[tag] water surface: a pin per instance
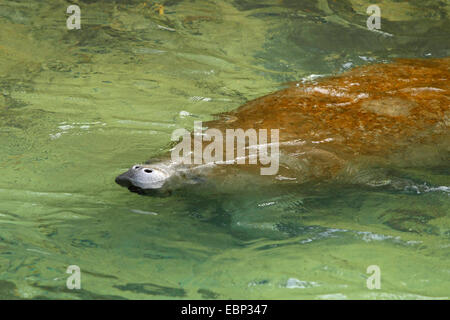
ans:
(78, 107)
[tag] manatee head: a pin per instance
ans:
(143, 177)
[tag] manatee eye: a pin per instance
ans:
(148, 170)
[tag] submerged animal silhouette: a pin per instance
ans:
(371, 115)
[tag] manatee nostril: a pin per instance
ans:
(136, 167)
(148, 170)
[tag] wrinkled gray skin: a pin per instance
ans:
(157, 178)
(161, 178)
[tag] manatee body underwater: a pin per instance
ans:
(334, 128)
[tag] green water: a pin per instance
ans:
(78, 107)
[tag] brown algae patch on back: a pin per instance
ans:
(393, 107)
(370, 114)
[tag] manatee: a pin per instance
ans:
(384, 114)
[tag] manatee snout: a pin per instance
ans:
(144, 177)
(124, 179)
